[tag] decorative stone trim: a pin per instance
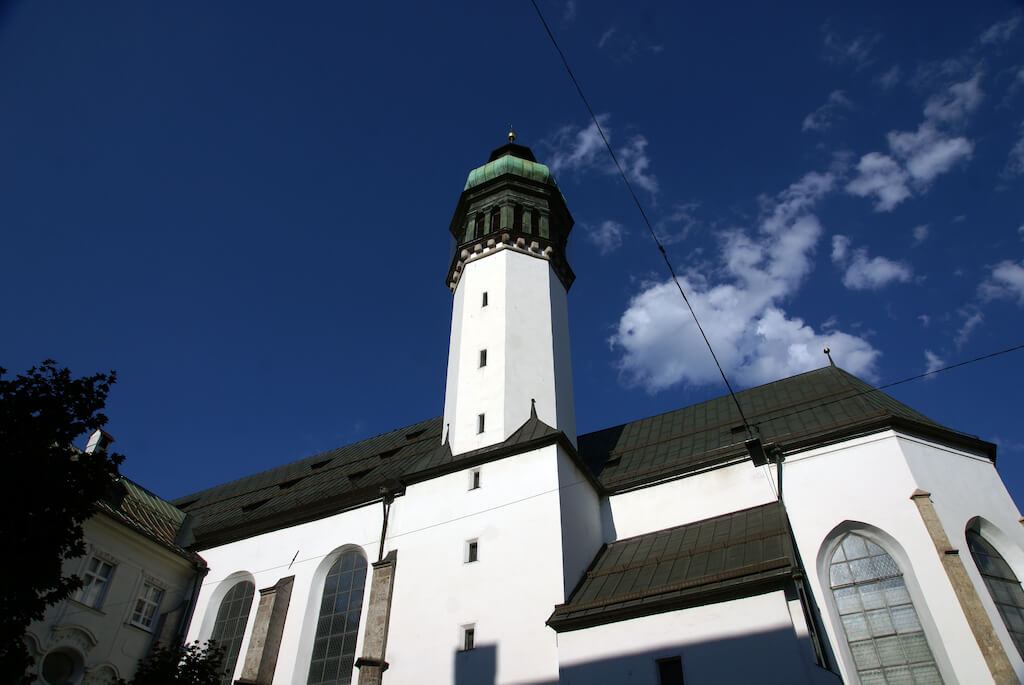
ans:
(78, 637)
(977, 618)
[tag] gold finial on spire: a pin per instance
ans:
(511, 134)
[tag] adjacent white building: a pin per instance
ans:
(139, 584)
(492, 544)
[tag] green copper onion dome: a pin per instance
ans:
(511, 159)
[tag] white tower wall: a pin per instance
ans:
(525, 330)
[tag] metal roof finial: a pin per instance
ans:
(829, 355)
(511, 134)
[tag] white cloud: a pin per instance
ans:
(883, 178)
(1015, 163)
(866, 273)
(583, 150)
(919, 156)
(890, 78)
(739, 307)
(636, 164)
(856, 51)
(840, 248)
(826, 115)
(957, 102)
(570, 11)
(607, 236)
(924, 319)
(920, 233)
(1000, 32)
(1006, 281)
(972, 319)
(927, 152)
(579, 150)
(606, 36)
(932, 362)
(676, 226)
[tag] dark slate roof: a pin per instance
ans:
(798, 412)
(739, 554)
(156, 519)
(813, 408)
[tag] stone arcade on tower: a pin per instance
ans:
(493, 545)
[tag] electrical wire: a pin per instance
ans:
(639, 206)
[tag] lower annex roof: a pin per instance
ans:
(799, 412)
(734, 555)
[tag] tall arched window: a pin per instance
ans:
(334, 648)
(229, 625)
(884, 633)
(1002, 584)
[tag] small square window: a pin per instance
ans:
(468, 637)
(472, 551)
(483, 302)
(483, 358)
(474, 479)
(95, 581)
(670, 671)
(480, 423)
(146, 605)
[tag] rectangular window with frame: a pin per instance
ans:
(480, 423)
(146, 605)
(670, 671)
(95, 582)
(472, 551)
(483, 358)
(474, 479)
(468, 637)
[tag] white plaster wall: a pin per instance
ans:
(119, 643)
(525, 330)
(685, 500)
(580, 508)
(300, 551)
(868, 481)
(965, 486)
(749, 640)
(509, 593)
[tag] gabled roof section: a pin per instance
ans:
(740, 554)
(310, 488)
(151, 517)
(802, 411)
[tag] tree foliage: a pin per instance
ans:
(52, 488)
(193, 664)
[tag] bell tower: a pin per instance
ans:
(509, 350)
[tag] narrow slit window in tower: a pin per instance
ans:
(483, 358)
(479, 423)
(483, 302)
(472, 551)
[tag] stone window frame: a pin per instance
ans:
(317, 597)
(89, 577)
(830, 612)
(144, 600)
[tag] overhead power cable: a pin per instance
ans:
(639, 206)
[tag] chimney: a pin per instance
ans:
(98, 442)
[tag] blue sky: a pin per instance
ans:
(242, 208)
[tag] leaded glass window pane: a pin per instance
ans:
(1002, 584)
(229, 626)
(885, 636)
(334, 647)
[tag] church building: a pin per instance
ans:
(826, 534)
